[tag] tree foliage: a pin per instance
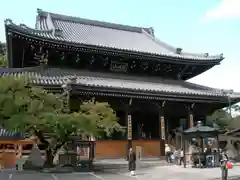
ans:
(33, 110)
(219, 118)
(2, 48)
(3, 55)
(3, 60)
(224, 119)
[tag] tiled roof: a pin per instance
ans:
(92, 32)
(5, 134)
(106, 35)
(57, 76)
(200, 129)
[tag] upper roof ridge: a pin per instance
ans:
(175, 49)
(62, 17)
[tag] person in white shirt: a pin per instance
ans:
(167, 153)
(181, 157)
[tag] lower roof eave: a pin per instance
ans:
(126, 93)
(145, 95)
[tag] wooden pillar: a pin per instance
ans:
(190, 116)
(162, 131)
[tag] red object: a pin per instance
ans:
(229, 165)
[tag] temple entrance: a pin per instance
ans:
(145, 125)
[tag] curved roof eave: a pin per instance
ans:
(52, 38)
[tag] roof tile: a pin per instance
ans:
(56, 76)
(5, 134)
(108, 35)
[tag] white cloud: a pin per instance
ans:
(225, 9)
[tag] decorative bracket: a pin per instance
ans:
(189, 107)
(130, 102)
(181, 73)
(160, 105)
(163, 104)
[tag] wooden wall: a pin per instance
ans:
(117, 148)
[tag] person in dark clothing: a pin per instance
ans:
(132, 162)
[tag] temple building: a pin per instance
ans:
(141, 77)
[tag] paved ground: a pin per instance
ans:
(179, 173)
(161, 172)
(70, 176)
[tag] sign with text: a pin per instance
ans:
(129, 127)
(162, 125)
(118, 66)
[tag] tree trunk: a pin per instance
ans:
(49, 158)
(48, 151)
(51, 153)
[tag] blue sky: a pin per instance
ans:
(200, 26)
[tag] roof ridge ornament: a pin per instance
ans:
(57, 32)
(39, 10)
(206, 55)
(221, 55)
(8, 21)
(151, 31)
(178, 50)
(23, 25)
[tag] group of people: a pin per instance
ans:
(176, 156)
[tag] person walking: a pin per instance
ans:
(176, 156)
(132, 162)
(224, 160)
(181, 157)
(168, 153)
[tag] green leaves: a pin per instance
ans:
(36, 111)
(101, 115)
(3, 55)
(3, 60)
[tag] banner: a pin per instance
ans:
(129, 127)
(162, 125)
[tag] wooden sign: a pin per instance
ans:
(118, 66)
(162, 125)
(129, 127)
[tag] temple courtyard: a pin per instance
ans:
(156, 173)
